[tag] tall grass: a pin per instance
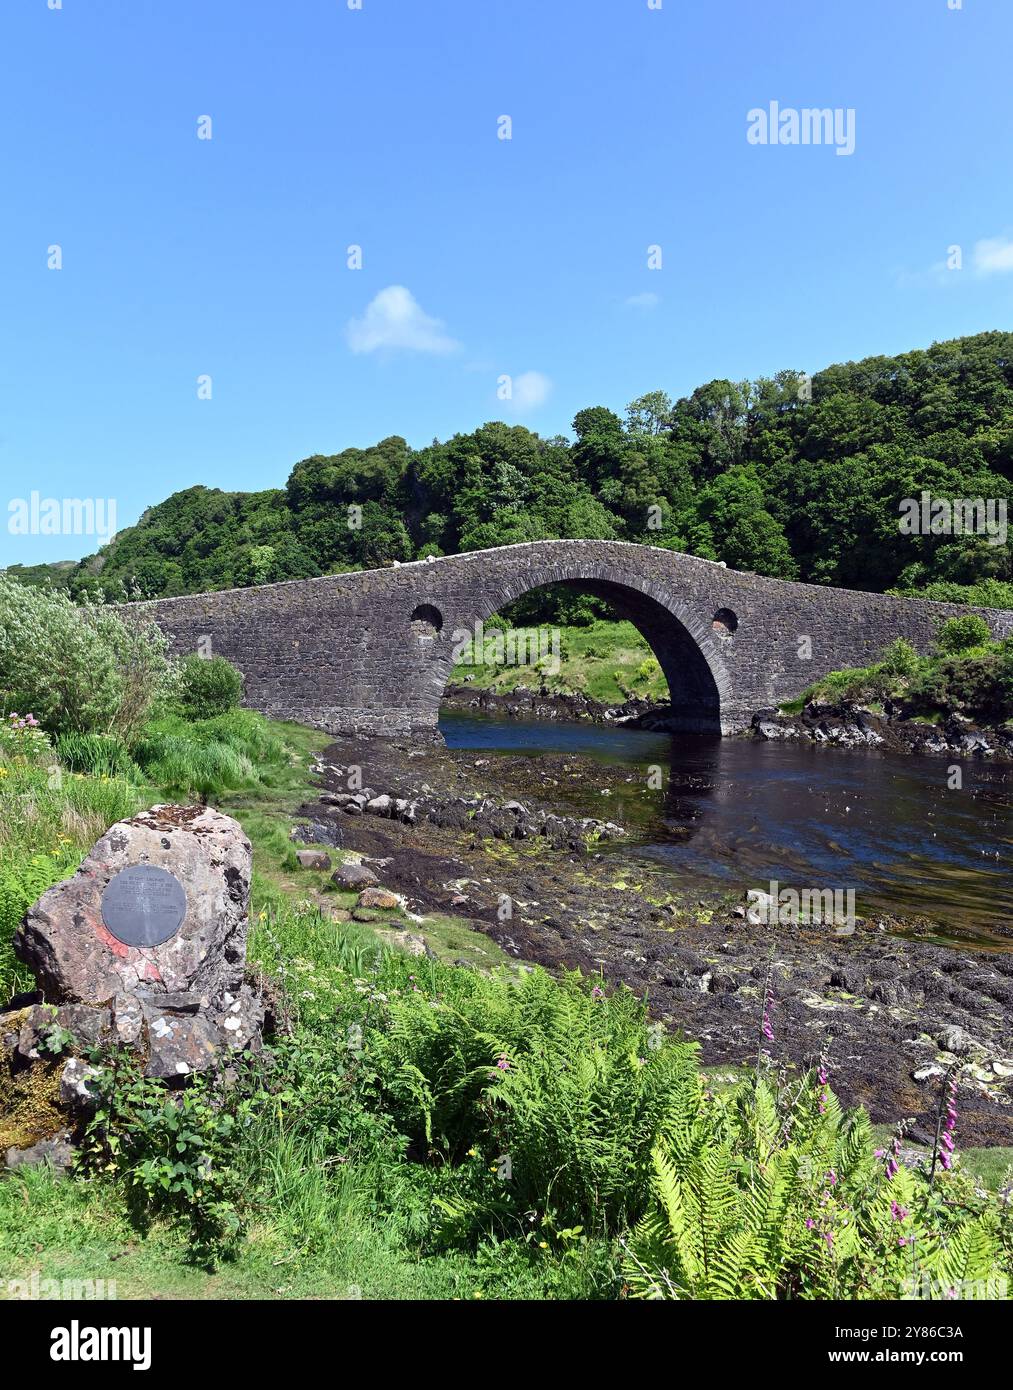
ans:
(234, 751)
(100, 755)
(48, 818)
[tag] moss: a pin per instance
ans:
(30, 1107)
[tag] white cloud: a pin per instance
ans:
(529, 391)
(994, 256)
(647, 300)
(394, 319)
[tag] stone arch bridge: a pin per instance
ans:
(372, 652)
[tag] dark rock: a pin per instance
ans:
(954, 1039)
(57, 1151)
(89, 1028)
(848, 978)
(353, 876)
(180, 1043)
(313, 859)
(77, 1084)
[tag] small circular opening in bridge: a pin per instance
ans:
(725, 622)
(427, 621)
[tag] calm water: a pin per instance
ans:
(736, 813)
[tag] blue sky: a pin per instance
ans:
(482, 257)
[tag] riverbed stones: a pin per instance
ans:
(928, 1071)
(313, 859)
(954, 1039)
(353, 876)
(381, 898)
(895, 731)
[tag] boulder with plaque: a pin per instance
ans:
(144, 946)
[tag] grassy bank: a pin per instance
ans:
(963, 673)
(428, 1131)
(419, 1129)
(608, 661)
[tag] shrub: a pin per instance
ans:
(761, 1195)
(571, 1084)
(208, 686)
(852, 686)
(986, 593)
(962, 634)
(175, 1152)
(900, 659)
(969, 682)
(82, 669)
(966, 672)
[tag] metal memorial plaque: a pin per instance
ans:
(144, 905)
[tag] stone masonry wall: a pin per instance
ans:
(343, 652)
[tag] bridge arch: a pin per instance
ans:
(688, 654)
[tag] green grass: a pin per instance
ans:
(366, 1164)
(609, 661)
(991, 1166)
(323, 1243)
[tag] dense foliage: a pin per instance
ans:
(208, 686)
(762, 1194)
(786, 476)
(544, 1125)
(462, 1131)
(80, 669)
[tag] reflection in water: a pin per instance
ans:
(740, 813)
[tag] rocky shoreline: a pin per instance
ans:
(525, 703)
(829, 725)
(890, 1008)
(862, 728)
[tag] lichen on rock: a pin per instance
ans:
(30, 1108)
